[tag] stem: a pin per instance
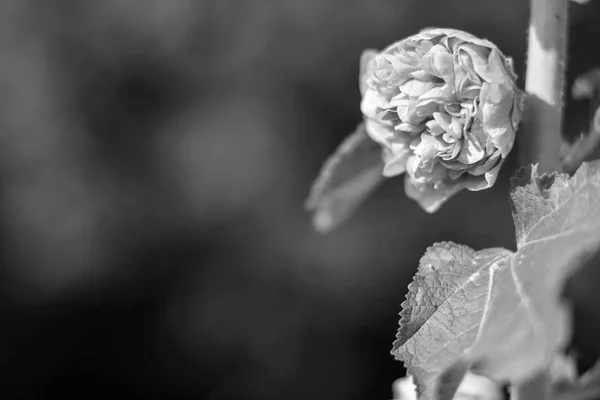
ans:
(541, 142)
(541, 139)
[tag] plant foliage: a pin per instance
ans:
(497, 310)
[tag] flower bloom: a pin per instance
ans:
(445, 107)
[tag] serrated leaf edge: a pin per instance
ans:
(404, 312)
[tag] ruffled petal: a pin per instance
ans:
(429, 196)
(379, 133)
(397, 164)
(366, 68)
(476, 183)
(430, 147)
(445, 106)
(372, 104)
(473, 149)
(416, 88)
(496, 106)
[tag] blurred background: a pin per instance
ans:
(154, 160)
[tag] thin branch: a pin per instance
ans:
(541, 139)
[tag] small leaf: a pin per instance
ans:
(346, 179)
(499, 310)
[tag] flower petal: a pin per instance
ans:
(439, 62)
(487, 166)
(430, 146)
(379, 133)
(423, 76)
(416, 88)
(476, 183)
(409, 128)
(397, 165)
(434, 128)
(372, 103)
(496, 106)
(473, 149)
(429, 196)
(366, 68)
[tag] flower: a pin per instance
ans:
(444, 105)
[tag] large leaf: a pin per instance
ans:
(499, 310)
(346, 179)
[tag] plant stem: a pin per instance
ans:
(541, 140)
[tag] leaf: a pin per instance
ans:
(443, 310)
(346, 179)
(499, 310)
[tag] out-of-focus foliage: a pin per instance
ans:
(472, 386)
(346, 179)
(154, 160)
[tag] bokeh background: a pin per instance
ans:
(154, 160)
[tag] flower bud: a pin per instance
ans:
(445, 107)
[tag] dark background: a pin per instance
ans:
(154, 160)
